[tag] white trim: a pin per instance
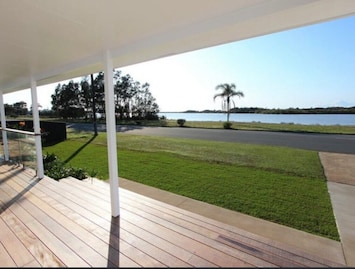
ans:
(111, 134)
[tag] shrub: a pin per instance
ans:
(78, 173)
(181, 122)
(56, 169)
(227, 125)
(163, 123)
(49, 160)
(93, 173)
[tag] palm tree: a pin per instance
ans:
(228, 91)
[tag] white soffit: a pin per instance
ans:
(54, 40)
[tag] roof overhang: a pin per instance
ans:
(51, 41)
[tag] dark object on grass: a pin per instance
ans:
(181, 122)
(227, 125)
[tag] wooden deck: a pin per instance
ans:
(68, 223)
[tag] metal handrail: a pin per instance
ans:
(19, 131)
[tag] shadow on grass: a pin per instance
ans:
(80, 149)
(101, 127)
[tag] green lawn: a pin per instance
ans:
(279, 184)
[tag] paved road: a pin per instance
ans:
(318, 142)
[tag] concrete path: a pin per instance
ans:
(340, 172)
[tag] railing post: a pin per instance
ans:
(111, 134)
(3, 125)
(37, 129)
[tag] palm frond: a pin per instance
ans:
(228, 91)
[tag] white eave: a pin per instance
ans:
(51, 40)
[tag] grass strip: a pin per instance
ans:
(260, 126)
(257, 126)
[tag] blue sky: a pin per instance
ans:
(312, 66)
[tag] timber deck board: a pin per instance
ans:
(68, 223)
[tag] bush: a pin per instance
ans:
(227, 125)
(78, 173)
(56, 169)
(163, 123)
(181, 122)
(93, 173)
(49, 159)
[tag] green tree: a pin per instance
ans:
(98, 85)
(10, 110)
(125, 88)
(144, 105)
(67, 101)
(84, 99)
(88, 91)
(16, 109)
(227, 94)
(133, 100)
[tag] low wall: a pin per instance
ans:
(51, 131)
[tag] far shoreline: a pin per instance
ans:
(258, 110)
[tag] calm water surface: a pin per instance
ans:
(309, 119)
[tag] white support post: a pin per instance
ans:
(111, 135)
(37, 129)
(3, 125)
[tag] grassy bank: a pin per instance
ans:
(283, 185)
(259, 126)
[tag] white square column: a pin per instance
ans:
(111, 134)
(3, 125)
(37, 129)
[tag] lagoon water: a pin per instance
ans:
(309, 119)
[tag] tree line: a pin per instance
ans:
(18, 108)
(86, 99)
(259, 110)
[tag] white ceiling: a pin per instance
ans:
(54, 40)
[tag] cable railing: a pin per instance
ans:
(21, 147)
